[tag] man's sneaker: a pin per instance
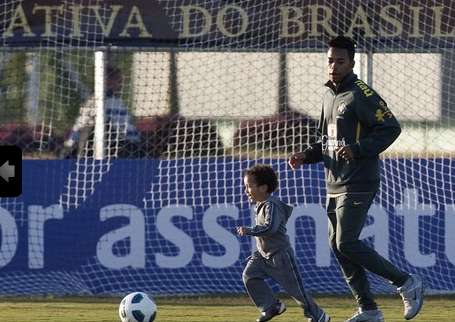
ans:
(367, 316)
(412, 294)
(323, 317)
(276, 309)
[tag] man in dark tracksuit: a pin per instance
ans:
(355, 127)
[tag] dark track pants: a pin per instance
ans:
(282, 268)
(347, 214)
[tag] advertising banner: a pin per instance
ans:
(137, 230)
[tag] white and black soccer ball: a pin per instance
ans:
(137, 307)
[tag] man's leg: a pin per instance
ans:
(354, 274)
(351, 213)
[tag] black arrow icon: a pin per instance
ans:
(7, 171)
(10, 171)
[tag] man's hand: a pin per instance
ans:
(296, 160)
(345, 153)
(241, 231)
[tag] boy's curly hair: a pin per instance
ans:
(263, 174)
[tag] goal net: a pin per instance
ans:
(137, 121)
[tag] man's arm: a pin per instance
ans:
(382, 124)
(313, 153)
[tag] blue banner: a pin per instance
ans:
(167, 227)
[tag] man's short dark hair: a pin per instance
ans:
(344, 43)
(263, 174)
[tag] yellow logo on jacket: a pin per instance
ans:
(364, 87)
(383, 112)
(379, 115)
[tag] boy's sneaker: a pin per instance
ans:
(323, 317)
(367, 316)
(276, 309)
(412, 294)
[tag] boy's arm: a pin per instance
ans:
(271, 223)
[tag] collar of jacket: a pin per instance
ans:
(272, 199)
(345, 83)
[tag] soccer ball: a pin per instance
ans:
(137, 307)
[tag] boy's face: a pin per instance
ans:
(254, 192)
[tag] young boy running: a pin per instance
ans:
(275, 257)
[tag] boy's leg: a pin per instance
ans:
(253, 279)
(283, 269)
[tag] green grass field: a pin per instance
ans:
(206, 309)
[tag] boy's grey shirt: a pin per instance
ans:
(270, 230)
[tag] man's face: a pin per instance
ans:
(338, 63)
